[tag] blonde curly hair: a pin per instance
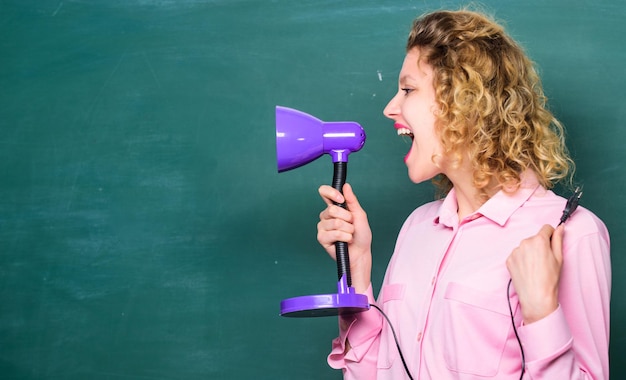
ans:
(492, 104)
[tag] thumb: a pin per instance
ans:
(352, 203)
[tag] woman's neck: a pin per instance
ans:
(469, 198)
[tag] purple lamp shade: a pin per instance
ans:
(301, 138)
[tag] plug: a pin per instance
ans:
(571, 205)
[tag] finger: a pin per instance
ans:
(327, 235)
(546, 231)
(335, 224)
(336, 212)
(329, 238)
(330, 195)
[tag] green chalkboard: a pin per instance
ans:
(144, 230)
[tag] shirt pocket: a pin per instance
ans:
(474, 329)
(388, 351)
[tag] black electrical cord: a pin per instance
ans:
(519, 341)
(570, 207)
(395, 337)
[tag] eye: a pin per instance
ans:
(406, 90)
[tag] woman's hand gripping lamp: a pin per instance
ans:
(300, 139)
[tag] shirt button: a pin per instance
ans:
(419, 336)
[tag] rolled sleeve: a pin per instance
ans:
(361, 330)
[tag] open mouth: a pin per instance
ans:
(407, 135)
(405, 132)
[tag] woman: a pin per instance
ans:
(480, 284)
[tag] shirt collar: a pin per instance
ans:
(498, 208)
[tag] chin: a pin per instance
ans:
(421, 176)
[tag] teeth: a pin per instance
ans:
(404, 132)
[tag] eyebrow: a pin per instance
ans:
(405, 78)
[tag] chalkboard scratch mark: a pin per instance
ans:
(58, 9)
(609, 169)
(104, 85)
(151, 69)
(380, 75)
(89, 115)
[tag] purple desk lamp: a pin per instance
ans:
(300, 139)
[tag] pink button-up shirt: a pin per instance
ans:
(445, 292)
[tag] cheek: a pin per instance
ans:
(419, 110)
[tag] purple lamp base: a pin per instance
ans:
(345, 301)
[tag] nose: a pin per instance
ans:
(392, 110)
